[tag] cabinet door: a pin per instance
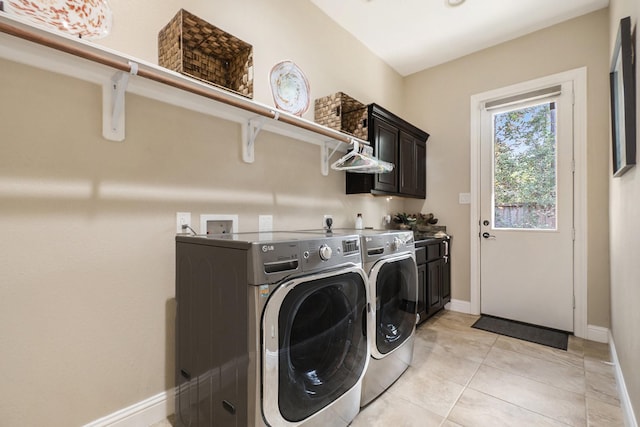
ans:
(422, 293)
(434, 286)
(385, 142)
(412, 168)
(446, 282)
(421, 168)
(407, 164)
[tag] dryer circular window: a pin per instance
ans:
(315, 345)
(395, 318)
(389, 260)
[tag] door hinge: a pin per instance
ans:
(573, 234)
(573, 165)
(574, 302)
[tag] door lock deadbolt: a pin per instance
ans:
(485, 222)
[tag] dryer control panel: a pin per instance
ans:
(377, 246)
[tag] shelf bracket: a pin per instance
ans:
(250, 131)
(113, 93)
(325, 157)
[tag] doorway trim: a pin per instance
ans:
(579, 78)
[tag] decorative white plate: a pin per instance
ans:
(290, 88)
(90, 19)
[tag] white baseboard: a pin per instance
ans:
(149, 411)
(459, 305)
(158, 407)
(625, 401)
(597, 333)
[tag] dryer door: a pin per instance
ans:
(315, 344)
(394, 289)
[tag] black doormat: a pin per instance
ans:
(523, 331)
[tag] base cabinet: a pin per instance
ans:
(422, 291)
(434, 286)
(434, 276)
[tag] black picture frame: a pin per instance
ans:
(623, 103)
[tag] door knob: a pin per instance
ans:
(488, 236)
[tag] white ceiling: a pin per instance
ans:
(411, 35)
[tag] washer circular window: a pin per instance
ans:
(322, 348)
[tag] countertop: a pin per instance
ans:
(423, 239)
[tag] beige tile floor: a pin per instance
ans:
(462, 376)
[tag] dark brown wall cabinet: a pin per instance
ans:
(434, 276)
(396, 141)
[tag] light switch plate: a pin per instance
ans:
(464, 198)
(265, 223)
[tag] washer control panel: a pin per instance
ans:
(275, 260)
(325, 252)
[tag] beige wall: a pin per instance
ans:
(87, 247)
(438, 100)
(331, 59)
(625, 239)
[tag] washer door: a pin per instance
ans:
(394, 288)
(315, 344)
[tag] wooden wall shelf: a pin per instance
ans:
(118, 73)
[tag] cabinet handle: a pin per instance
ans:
(446, 247)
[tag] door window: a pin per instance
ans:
(524, 168)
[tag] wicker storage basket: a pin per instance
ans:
(341, 112)
(192, 46)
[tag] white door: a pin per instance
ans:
(526, 208)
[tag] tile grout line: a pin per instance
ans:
(446, 418)
(531, 379)
(582, 394)
(511, 403)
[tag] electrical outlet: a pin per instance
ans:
(182, 218)
(324, 221)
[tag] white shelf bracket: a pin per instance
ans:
(325, 157)
(250, 131)
(113, 93)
